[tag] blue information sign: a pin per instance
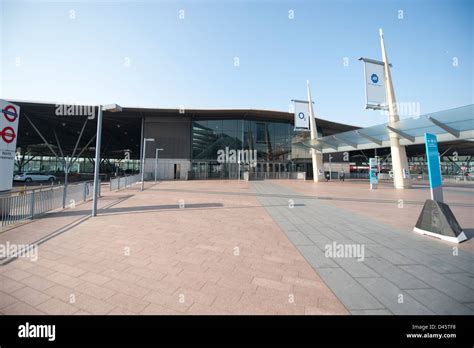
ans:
(373, 173)
(434, 168)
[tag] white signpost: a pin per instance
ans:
(9, 115)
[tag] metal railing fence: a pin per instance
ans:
(277, 175)
(124, 181)
(24, 205)
(417, 177)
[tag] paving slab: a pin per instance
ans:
(439, 302)
(372, 312)
(466, 279)
(316, 257)
(398, 277)
(438, 281)
(395, 261)
(393, 298)
(348, 290)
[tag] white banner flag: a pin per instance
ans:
(375, 85)
(9, 114)
(301, 116)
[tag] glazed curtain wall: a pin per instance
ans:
(272, 140)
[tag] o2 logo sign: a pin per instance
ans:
(374, 78)
(302, 116)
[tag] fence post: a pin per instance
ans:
(32, 206)
(85, 191)
(64, 196)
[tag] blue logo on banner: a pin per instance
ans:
(374, 78)
(301, 115)
(432, 156)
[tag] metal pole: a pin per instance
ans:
(399, 155)
(156, 164)
(97, 161)
(143, 164)
(32, 204)
(316, 158)
(330, 168)
(377, 158)
(142, 136)
(66, 174)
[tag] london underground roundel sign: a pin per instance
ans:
(8, 134)
(9, 117)
(10, 113)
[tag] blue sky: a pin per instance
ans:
(48, 56)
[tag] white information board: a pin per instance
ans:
(9, 115)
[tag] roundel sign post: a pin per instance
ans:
(9, 115)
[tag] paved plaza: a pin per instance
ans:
(401, 273)
(236, 247)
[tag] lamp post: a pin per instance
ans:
(156, 162)
(330, 168)
(143, 161)
(111, 108)
(239, 168)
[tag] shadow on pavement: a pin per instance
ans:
(158, 208)
(305, 197)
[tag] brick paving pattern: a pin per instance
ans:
(219, 254)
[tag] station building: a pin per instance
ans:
(190, 139)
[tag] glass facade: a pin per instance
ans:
(271, 141)
(211, 136)
(54, 165)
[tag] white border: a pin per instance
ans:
(461, 238)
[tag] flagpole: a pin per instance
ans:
(398, 152)
(316, 157)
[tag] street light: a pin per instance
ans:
(143, 160)
(330, 168)
(156, 162)
(111, 108)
